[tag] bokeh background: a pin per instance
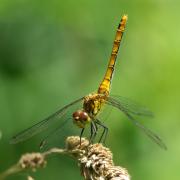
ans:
(52, 52)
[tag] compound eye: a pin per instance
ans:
(80, 116)
(76, 115)
(84, 116)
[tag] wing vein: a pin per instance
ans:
(42, 125)
(147, 131)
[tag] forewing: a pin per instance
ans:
(44, 124)
(56, 137)
(147, 131)
(129, 106)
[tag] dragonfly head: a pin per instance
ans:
(81, 118)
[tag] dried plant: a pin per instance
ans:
(95, 161)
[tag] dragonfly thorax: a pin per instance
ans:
(93, 103)
(81, 118)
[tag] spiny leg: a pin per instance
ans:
(95, 133)
(105, 131)
(94, 130)
(82, 131)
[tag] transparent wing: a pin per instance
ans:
(148, 132)
(42, 125)
(130, 106)
(57, 135)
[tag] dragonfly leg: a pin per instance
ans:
(104, 133)
(94, 130)
(81, 134)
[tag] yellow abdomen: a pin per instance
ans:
(104, 87)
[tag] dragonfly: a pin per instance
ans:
(92, 105)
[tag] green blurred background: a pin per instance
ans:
(52, 52)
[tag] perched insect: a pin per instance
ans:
(92, 105)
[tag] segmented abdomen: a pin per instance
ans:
(104, 87)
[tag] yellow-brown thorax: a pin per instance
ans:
(93, 103)
(91, 107)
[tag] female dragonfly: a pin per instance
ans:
(92, 105)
